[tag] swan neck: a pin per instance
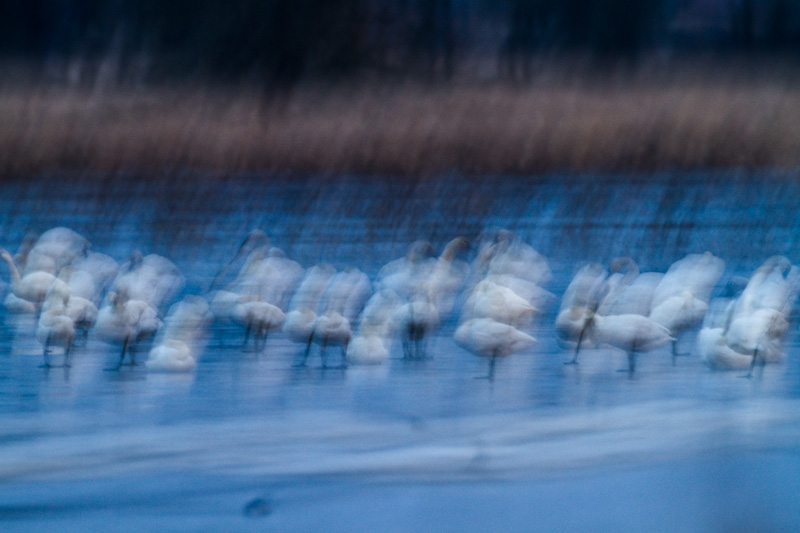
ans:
(15, 278)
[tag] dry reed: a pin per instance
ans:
(630, 123)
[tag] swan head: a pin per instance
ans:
(419, 251)
(623, 263)
(455, 246)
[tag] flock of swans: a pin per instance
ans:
(75, 292)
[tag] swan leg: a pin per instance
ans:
(67, 354)
(246, 337)
(122, 355)
(631, 362)
(752, 365)
(492, 361)
(323, 354)
(308, 350)
(574, 360)
(344, 355)
(46, 354)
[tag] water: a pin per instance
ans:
(420, 445)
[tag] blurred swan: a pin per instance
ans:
(259, 319)
(54, 249)
(415, 321)
(330, 329)
(680, 301)
(405, 276)
(125, 321)
(171, 356)
(152, 279)
(32, 287)
(490, 300)
(759, 335)
(507, 254)
(367, 350)
(55, 327)
(185, 324)
(632, 333)
(489, 338)
(447, 277)
(624, 271)
(580, 300)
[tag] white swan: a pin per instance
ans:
(330, 329)
(632, 333)
(259, 318)
(55, 328)
(488, 338)
(367, 350)
(680, 301)
(126, 322)
(415, 321)
(32, 287)
(490, 300)
(184, 326)
(54, 249)
(171, 356)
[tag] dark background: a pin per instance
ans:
(282, 42)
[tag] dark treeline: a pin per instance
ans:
(283, 41)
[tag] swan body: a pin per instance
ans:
(126, 322)
(715, 352)
(330, 329)
(490, 300)
(55, 329)
(171, 356)
(299, 325)
(367, 350)
(489, 338)
(32, 287)
(259, 318)
(631, 333)
(415, 321)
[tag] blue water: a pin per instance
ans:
(407, 445)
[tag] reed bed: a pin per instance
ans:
(627, 123)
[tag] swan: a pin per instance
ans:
(448, 276)
(632, 333)
(299, 324)
(505, 253)
(680, 300)
(126, 322)
(367, 350)
(171, 356)
(580, 299)
(55, 327)
(490, 300)
(415, 321)
(183, 326)
(774, 285)
(54, 249)
(679, 313)
(406, 275)
(624, 271)
(348, 292)
(330, 329)
(758, 334)
(32, 287)
(489, 338)
(714, 351)
(258, 318)
(152, 279)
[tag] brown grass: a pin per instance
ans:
(646, 121)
